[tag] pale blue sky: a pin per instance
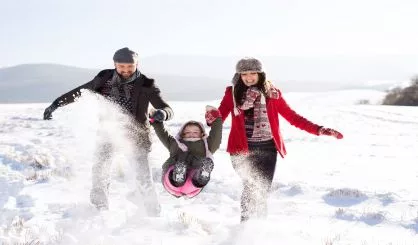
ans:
(86, 33)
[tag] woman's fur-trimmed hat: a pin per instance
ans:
(247, 64)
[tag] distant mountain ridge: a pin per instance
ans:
(39, 82)
(191, 78)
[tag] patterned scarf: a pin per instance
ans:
(255, 99)
(117, 82)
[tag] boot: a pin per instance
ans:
(178, 176)
(202, 175)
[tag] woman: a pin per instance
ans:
(255, 138)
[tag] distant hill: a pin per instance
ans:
(190, 78)
(39, 82)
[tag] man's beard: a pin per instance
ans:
(126, 75)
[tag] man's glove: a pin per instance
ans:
(330, 132)
(48, 111)
(211, 114)
(158, 115)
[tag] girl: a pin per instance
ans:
(190, 164)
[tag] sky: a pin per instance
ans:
(86, 33)
(358, 190)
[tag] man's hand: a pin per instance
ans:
(158, 115)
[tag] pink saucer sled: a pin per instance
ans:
(188, 189)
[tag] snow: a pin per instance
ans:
(359, 190)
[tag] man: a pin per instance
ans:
(133, 91)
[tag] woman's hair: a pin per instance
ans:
(240, 88)
(192, 123)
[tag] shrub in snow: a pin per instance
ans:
(346, 193)
(363, 102)
(403, 96)
(344, 197)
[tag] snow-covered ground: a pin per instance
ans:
(359, 190)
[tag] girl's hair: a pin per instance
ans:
(193, 123)
(240, 88)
